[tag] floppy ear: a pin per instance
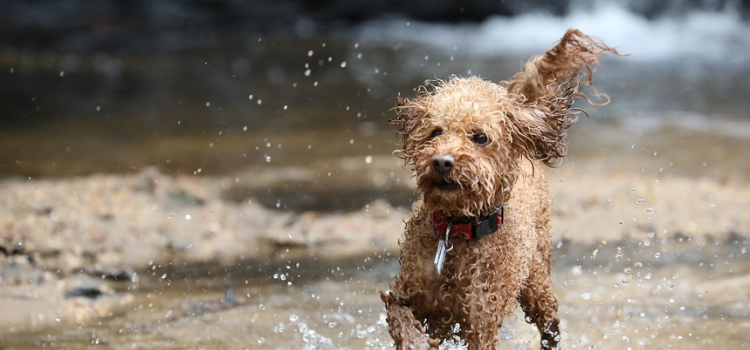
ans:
(569, 60)
(410, 115)
(545, 91)
(538, 132)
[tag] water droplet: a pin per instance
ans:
(368, 159)
(62, 73)
(268, 159)
(586, 296)
(343, 64)
(307, 73)
(188, 217)
(309, 53)
(208, 104)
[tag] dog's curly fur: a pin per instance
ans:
(525, 122)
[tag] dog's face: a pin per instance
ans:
(465, 139)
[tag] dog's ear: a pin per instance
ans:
(538, 133)
(410, 115)
(545, 91)
(407, 118)
(570, 60)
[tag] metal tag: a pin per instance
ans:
(440, 256)
(444, 246)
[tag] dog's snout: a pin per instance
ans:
(443, 163)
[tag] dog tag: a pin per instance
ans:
(440, 256)
(444, 246)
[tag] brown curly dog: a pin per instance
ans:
(478, 242)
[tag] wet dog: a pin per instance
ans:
(477, 244)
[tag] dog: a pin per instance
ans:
(477, 244)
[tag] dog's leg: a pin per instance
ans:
(404, 328)
(540, 305)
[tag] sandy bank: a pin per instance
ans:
(57, 234)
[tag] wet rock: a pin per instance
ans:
(85, 292)
(16, 254)
(198, 308)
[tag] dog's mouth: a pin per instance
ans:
(444, 185)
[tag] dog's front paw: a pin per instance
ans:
(411, 337)
(417, 341)
(406, 331)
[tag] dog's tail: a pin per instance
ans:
(568, 62)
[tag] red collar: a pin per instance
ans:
(469, 227)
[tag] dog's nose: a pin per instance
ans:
(443, 163)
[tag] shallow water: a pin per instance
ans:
(622, 295)
(290, 142)
(275, 101)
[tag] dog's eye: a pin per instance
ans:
(480, 138)
(436, 132)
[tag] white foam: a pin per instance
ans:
(715, 36)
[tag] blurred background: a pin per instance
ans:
(255, 201)
(291, 98)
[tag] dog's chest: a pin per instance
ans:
(462, 262)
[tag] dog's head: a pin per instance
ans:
(465, 138)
